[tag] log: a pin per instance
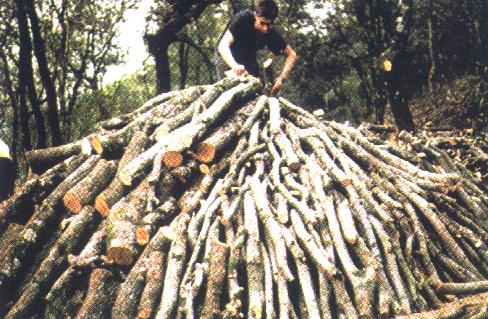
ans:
(223, 135)
(63, 289)
(115, 142)
(128, 296)
(100, 295)
(35, 229)
(122, 225)
(93, 249)
(42, 159)
(9, 237)
(182, 138)
(116, 190)
(254, 262)
(462, 288)
(218, 259)
(174, 273)
(154, 285)
(46, 274)
(86, 190)
(20, 205)
(451, 309)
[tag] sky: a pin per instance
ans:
(132, 45)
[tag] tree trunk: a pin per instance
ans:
(26, 82)
(13, 103)
(47, 81)
(159, 50)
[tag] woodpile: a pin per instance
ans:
(219, 202)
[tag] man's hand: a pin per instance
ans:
(239, 69)
(277, 85)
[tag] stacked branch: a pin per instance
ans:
(215, 203)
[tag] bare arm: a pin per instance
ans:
(287, 68)
(290, 61)
(224, 50)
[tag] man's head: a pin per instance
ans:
(265, 12)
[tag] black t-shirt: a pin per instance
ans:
(248, 40)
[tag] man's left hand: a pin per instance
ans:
(277, 85)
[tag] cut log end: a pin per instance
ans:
(101, 205)
(144, 314)
(205, 153)
(172, 159)
(142, 236)
(96, 143)
(72, 202)
(120, 255)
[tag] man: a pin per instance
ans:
(250, 31)
(7, 172)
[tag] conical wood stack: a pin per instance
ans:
(217, 202)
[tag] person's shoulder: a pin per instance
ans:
(244, 15)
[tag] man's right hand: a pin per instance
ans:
(239, 69)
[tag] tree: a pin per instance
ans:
(170, 18)
(51, 52)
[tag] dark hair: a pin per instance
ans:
(266, 9)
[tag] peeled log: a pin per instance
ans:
(86, 191)
(100, 295)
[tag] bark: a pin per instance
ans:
(122, 223)
(20, 205)
(175, 268)
(154, 285)
(216, 278)
(26, 81)
(130, 290)
(182, 138)
(100, 295)
(42, 159)
(84, 192)
(46, 79)
(358, 229)
(116, 190)
(52, 265)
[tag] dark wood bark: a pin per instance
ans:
(47, 81)
(53, 264)
(26, 81)
(20, 206)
